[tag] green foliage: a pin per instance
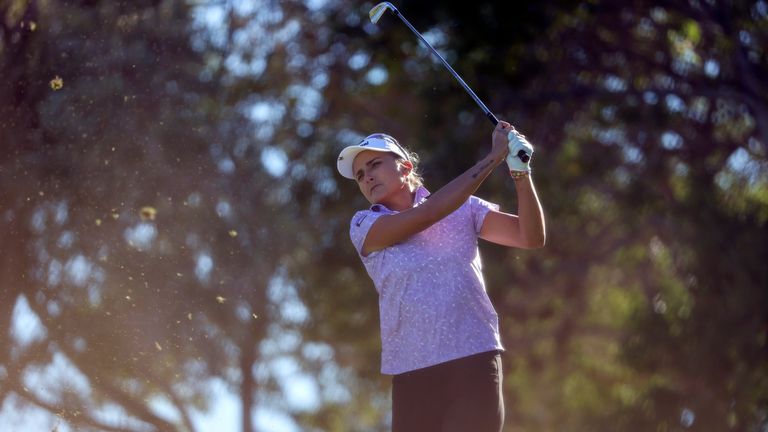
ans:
(172, 215)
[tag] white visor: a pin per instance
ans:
(376, 142)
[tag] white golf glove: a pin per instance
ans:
(517, 142)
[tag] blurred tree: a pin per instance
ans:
(669, 97)
(168, 173)
(144, 249)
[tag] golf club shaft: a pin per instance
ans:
(485, 109)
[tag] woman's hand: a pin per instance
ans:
(520, 153)
(499, 140)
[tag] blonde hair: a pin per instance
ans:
(414, 178)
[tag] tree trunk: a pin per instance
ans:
(247, 385)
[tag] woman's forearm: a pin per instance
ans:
(530, 213)
(451, 196)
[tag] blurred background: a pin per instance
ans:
(174, 234)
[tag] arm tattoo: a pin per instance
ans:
(482, 168)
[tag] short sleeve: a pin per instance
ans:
(480, 209)
(360, 225)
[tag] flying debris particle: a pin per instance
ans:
(115, 216)
(57, 83)
(232, 233)
(128, 298)
(157, 345)
(148, 213)
(220, 299)
(255, 316)
(31, 25)
(179, 275)
(189, 316)
(98, 222)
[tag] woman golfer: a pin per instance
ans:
(439, 330)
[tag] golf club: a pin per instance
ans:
(378, 11)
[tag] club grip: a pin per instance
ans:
(523, 156)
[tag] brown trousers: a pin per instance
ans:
(462, 395)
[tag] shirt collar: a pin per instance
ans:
(421, 195)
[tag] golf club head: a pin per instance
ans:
(378, 10)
